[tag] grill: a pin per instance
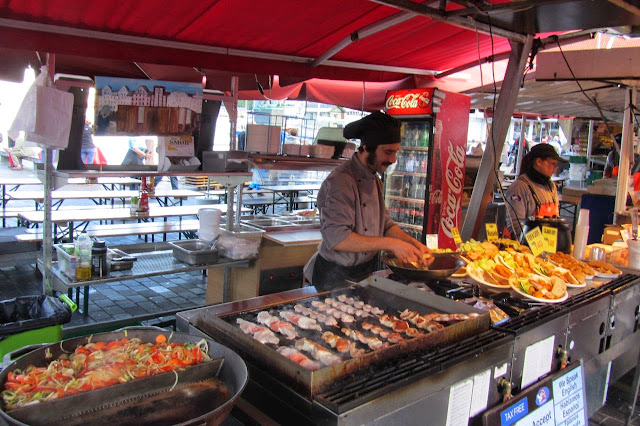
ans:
(385, 294)
(408, 387)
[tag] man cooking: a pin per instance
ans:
(533, 193)
(355, 223)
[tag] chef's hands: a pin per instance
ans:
(407, 252)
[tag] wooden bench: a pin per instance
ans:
(127, 229)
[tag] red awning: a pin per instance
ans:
(237, 36)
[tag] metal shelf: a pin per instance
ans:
(149, 264)
(413, 200)
(414, 148)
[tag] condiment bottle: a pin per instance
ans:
(143, 198)
(83, 253)
(99, 264)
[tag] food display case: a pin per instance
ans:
(424, 188)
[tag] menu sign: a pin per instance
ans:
(410, 102)
(556, 400)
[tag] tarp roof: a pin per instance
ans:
(180, 40)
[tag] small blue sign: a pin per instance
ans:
(542, 396)
(514, 413)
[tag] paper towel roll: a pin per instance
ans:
(209, 223)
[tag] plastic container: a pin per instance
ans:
(83, 246)
(577, 168)
(31, 320)
(239, 245)
(67, 259)
(99, 262)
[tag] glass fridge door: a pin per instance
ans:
(406, 183)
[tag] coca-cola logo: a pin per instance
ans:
(435, 197)
(454, 176)
(410, 100)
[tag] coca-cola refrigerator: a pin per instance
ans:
(423, 190)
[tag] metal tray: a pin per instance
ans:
(194, 252)
(121, 265)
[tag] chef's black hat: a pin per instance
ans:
(374, 129)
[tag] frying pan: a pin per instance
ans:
(443, 265)
(233, 373)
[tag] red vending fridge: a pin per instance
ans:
(423, 191)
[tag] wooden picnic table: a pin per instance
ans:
(289, 192)
(107, 183)
(73, 219)
(162, 196)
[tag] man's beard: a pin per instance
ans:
(372, 162)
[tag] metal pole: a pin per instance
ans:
(483, 187)
(589, 143)
(230, 202)
(235, 84)
(626, 151)
(238, 204)
(47, 231)
(522, 145)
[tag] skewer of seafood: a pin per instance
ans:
(328, 310)
(358, 304)
(341, 344)
(373, 342)
(376, 329)
(398, 325)
(420, 321)
(282, 327)
(301, 321)
(299, 358)
(317, 351)
(324, 319)
(261, 334)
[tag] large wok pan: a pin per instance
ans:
(442, 266)
(232, 373)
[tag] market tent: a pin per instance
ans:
(334, 39)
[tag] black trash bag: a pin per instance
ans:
(31, 312)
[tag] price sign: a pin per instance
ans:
(535, 240)
(551, 239)
(492, 231)
(432, 241)
(456, 236)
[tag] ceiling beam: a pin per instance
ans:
(147, 41)
(458, 21)
(518, 6)
(364, 32)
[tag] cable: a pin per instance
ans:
(593, 102)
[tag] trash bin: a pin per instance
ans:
(30, 320)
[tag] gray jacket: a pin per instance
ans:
(521, 204)
(351, 200)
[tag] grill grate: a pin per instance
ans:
(369, 385)
(532, 318)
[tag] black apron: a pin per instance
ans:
(328, 275)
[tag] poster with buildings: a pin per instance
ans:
(126, 106)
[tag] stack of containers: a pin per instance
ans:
(581, 234)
